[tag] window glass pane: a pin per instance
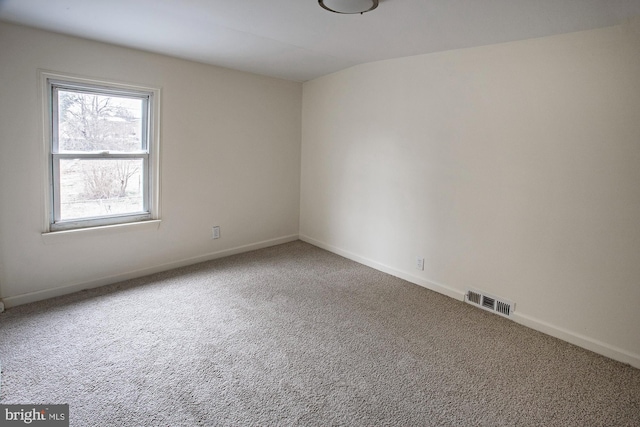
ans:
(91, 122)
(100, 187)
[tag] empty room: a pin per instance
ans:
(320, 212)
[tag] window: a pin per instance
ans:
(102, 153)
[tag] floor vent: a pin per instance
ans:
(489, 302)
(474, 297)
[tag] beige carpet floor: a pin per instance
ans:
(294, 335)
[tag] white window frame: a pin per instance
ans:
(150, 152)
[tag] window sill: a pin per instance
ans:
(69, 235)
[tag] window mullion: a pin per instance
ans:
(102, 155)
(145, 185)
(54, 120)
(145, 127)
(55, 170)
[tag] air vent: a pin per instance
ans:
(474, 297)
(503, 308)
(489, 302)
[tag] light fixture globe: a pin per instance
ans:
(349, 6)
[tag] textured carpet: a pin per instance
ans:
(294, 335)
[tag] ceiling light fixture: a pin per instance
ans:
(349, 6)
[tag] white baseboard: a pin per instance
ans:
(583, 341)
(574, 338)
(579, 340)
(434, 286)
(68, 289)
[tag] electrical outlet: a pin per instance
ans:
(420, 263)
(215, 232)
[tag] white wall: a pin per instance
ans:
(512, 168)
(230, 148)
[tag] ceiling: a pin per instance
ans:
(298, 40)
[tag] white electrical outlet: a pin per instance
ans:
(215, 232)
(420, 263)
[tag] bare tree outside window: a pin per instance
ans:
(91, 122)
